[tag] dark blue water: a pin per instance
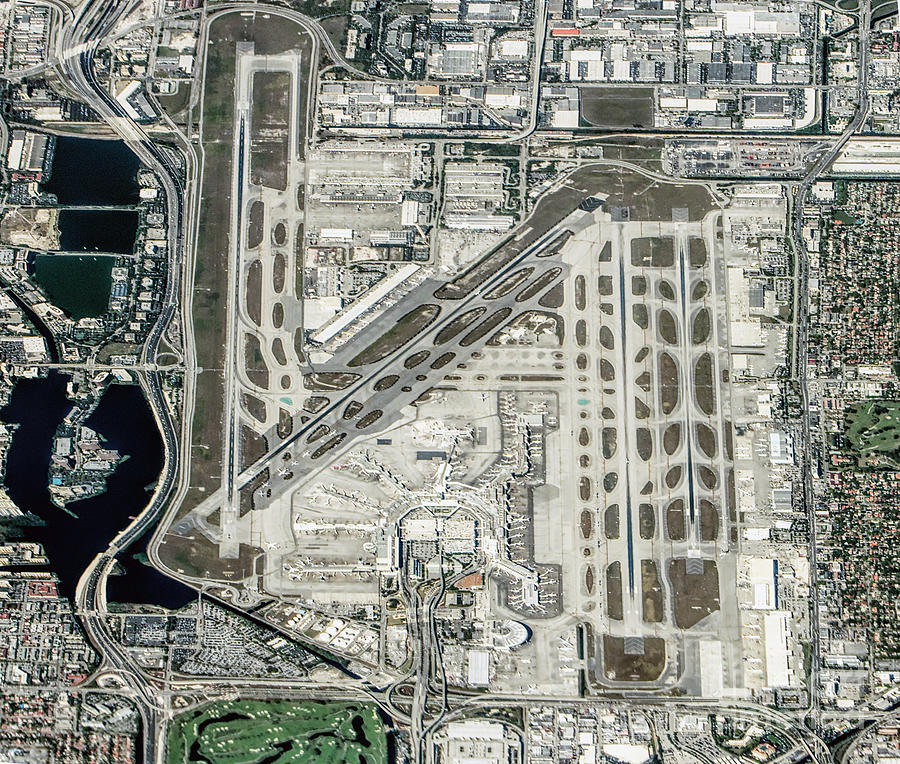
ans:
(98, 230)
(124, 419)
(93, 171)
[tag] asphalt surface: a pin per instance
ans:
(296, 457)
(93, 22)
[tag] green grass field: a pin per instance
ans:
(872, 429)
(277, 732)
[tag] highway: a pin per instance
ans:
(94, 20)
(78, 42)
(801, 347)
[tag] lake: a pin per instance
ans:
(79, 284)
(125, 420)
(93, 171)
